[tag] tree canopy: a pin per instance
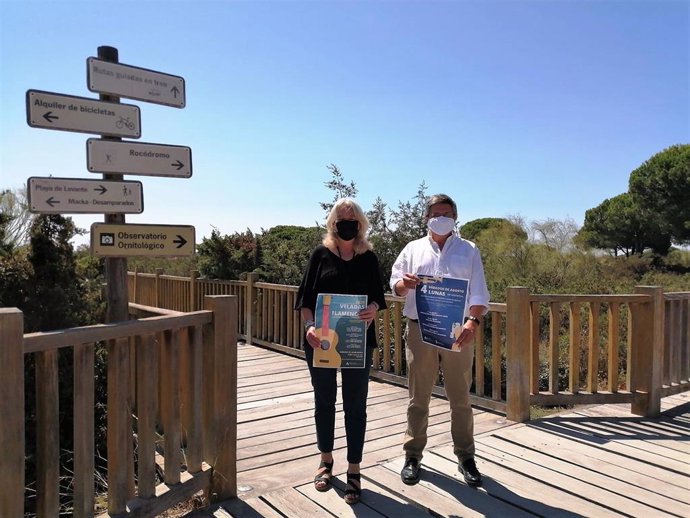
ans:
(472, 229)
(662, 186)
(228, 256)
(653, 213)
(57, 293)
(619, 224)
(15, 219)
(285, 251)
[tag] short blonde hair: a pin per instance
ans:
(330, 238)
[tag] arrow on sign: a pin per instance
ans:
(101, 189)
(49, 117)
(177, 164)
(50, 201)
(175, 91)
(180, 240)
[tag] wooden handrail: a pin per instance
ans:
(36, 342)
(598, 299)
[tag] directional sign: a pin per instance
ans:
(70, 196)
(141, 240)
(107, 156)
(135, 83)
(70, 113)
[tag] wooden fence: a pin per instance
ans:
(172, 377)
(171, 385)
(631, 348)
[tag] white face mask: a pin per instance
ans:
(441, 225)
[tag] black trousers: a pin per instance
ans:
(355, 388)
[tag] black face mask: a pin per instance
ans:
(347, 230)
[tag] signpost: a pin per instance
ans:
(135, 83)
(140, 158)
(69, 196)
(71, 113)
(114, 240)
(142, 240)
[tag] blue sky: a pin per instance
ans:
(533, 108)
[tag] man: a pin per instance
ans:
(441, 252)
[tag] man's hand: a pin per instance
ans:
(408, 282)
(466, 336)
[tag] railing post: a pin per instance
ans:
(119, 432)
(158, 295)
(134, 285)
(397, 337)
(193, 276)
(220, 395)
(517, 354)
(12, 412)
(249, 307)
(647, 333)
(47, 435)
(685, 341)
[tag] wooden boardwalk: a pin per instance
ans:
(595, 462)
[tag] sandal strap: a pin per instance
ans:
(354, 483)
(353, 490)
(324, 472)
(325, 468)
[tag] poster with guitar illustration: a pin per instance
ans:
(342, 334)
(441, 305)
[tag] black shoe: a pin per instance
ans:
(469, 470)
(410, 472)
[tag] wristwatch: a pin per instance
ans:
(308, 324)
(473, 319)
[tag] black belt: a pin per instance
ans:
(413, 319)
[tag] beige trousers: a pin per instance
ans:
(423, 361)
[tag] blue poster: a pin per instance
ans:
(342, 333)
(441, 305)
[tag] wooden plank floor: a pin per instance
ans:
(596, 461)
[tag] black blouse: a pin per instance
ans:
(328, 273)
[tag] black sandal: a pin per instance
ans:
(322, 480)
(353, 490)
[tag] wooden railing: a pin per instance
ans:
(631, 348)
(175, 374)
(170, 377)
(676, 353)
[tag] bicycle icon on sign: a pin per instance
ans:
(124, 122)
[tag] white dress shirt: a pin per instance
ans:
(459, 258)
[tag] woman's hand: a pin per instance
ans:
(368, 314)
(312, 339)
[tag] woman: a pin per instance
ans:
(343, 264)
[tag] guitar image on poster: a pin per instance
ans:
(328, 355)
(340, 330)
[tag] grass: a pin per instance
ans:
(537, 412)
